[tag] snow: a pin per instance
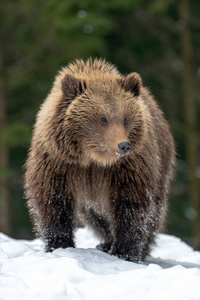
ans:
(27, 272)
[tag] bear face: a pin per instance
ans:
(106, 131)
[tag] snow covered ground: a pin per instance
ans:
(27, 272)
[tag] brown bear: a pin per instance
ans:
(101, 153)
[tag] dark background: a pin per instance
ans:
(160, 39)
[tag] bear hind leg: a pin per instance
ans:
(100, 227)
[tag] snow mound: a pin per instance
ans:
(27, 272)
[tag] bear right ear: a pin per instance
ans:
(72, 86)
(132, 83)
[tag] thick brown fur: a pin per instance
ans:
(76, 168)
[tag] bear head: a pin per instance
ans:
(100, 118)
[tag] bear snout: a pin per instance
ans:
(124, 147)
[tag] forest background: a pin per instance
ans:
(160, 39)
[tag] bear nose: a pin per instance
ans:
(124, 147)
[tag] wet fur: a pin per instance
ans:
(74, 172)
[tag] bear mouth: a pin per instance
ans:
(105, 156)
(116, 154)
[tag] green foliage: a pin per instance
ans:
(160, 6)
(15, 135)
(4, 173)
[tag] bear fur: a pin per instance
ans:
(101, 153)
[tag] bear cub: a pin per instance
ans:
(101, 154)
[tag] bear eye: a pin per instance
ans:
(125, 121)
(103, 121)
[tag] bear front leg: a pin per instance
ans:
(129, 244)
(58, 231)
(51, 205)
(132, 233)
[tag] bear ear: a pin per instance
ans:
(72, 86)
(132, 83)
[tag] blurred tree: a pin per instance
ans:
(189, 98)
(5, 220)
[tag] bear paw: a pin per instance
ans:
(105, 247)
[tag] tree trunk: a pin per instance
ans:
(190, 117)
(5, 225)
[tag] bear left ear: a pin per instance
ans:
(72, 86)
(132, 83)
